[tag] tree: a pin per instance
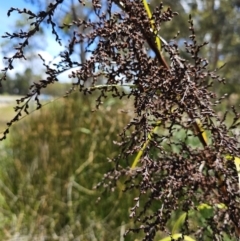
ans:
(178, 169)
(19, 84)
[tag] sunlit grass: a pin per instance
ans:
(50, 163)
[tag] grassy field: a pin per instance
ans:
(6, 110)
(7, 104)
(46, 165)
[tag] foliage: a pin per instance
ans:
(173, 176)
(50, 168)
(19, 85)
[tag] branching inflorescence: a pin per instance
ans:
(172, 171)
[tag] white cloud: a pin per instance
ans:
(33, 61)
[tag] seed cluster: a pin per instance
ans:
(173, 172)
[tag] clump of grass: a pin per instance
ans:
(53, 160)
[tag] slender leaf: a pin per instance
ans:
(177, 236)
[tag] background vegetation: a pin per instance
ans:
(49, 169)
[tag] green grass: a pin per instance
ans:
(50, 162)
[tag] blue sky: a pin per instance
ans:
(7, 24)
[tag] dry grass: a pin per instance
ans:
(7, 102)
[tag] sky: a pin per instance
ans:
(51, 48)
(6, 21)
